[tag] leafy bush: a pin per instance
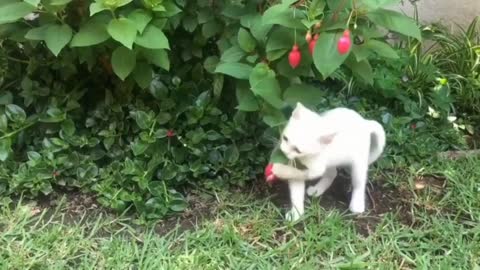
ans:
(128, 145)
(458, 56)
(128, 97)
(264, 40)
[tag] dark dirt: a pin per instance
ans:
(381, 200)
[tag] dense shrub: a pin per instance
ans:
(133, 99)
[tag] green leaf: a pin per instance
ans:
(246, 40)
(91, 33)
(233, 54)
(283, 15)
(361, 69)
(57, 37)
(143, 75)
(53, 115)
(59, 2)
(361, 52)
(5, 148)
(273, 117)
(278, 157)
(32, 2)
(15, 113)
(123, 62)
(339, 5)
(264, 84)
(211, 63)
(258, 29)
(375, 4)
(304, 93)
(236, 70)
(123, 30)
(6, 98)
(246, 100)
(142, 119)
(189, 23)
(96, 7)
(279, 42)
(14, 11)
(38, 33)
(178, 205)
(158, 58)
(141, 18)
(152, 38)
(382, 49)
(3, 123)
(163, 118)
(171, 9)
(115, 4)
(326, 57)
(68, 127)
(218, 80)
(231, 154)
(211, 29)
(396, 22)
(138, 147)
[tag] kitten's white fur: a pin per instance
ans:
(322, 142)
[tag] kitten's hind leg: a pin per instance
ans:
(297, 198)
(359, 183)
(324, 183)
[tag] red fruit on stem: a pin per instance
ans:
(294, 57)
(170, 133)
(344, 43)
(311, 45)
(269, 174)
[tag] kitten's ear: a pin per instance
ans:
(298, 110)
(327, 139)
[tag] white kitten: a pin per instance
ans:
(323, 142)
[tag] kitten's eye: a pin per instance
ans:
(285, 138)
(296, 150)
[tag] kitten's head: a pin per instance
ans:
(301, 136)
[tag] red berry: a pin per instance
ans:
(413, 126)
(56, 174)
(269, 174)
(170, 133)
(308, 36)
(344, 43)
(294, 57)
(311, 45)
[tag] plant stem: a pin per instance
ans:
(16, 131)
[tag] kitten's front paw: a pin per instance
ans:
(281, 171)
(293, 215)
(357, 207)
(314, 191)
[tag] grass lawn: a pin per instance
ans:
(422, 218)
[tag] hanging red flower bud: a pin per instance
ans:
(311, 45)
(344, 43)
(294, 57)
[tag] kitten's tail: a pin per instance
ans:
(377, 141)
